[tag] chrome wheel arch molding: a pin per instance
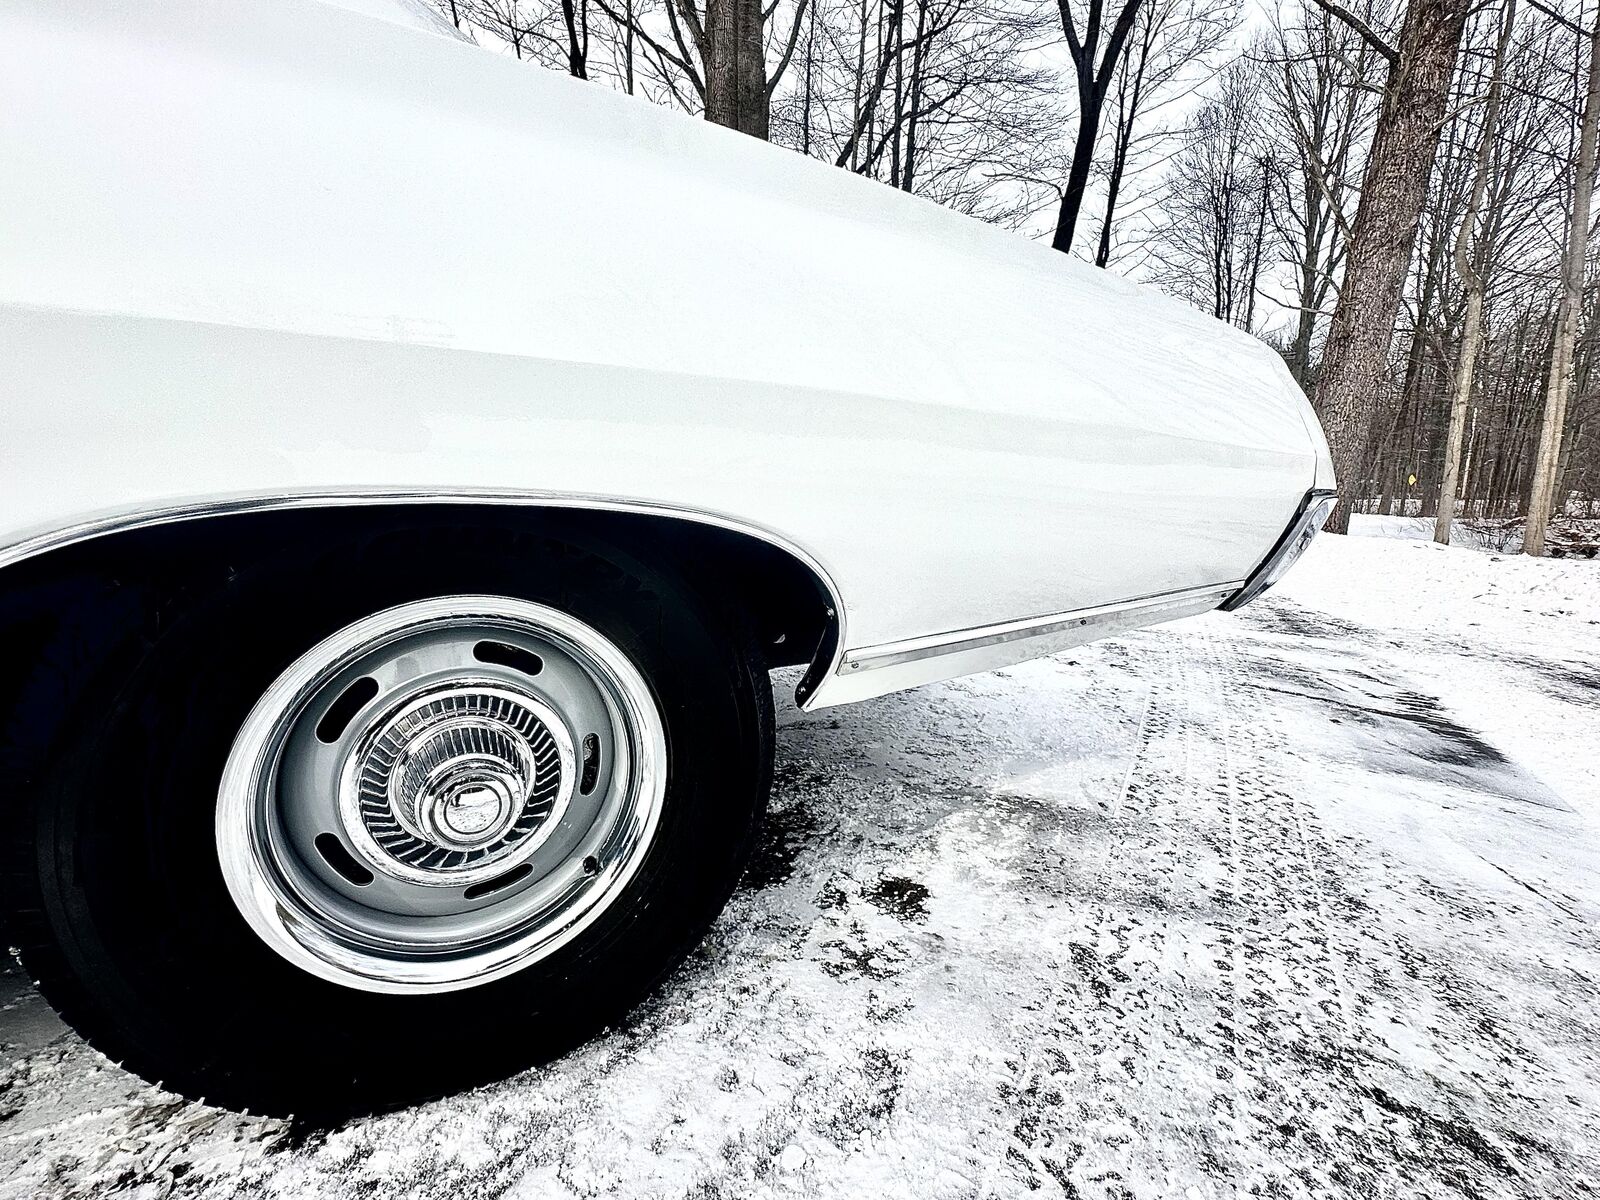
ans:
(826, 665)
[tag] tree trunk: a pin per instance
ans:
(1131, 96)
(1093, 84)
(1473, 276)
(1471, 340)
(1394, 186)
(1078, 173)
(627, 49)
(811, 59)
(577, 23)
(1547, 460)
(908, 173)
(1306, 322)
(855, 96)
(1102, 255)
(736, 70)
(1255, 251)
(896, 126)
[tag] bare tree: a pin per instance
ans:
(1394, 186)
(1212, 240)
(1320, 102)
(509, 22)
(1515, 250)
(575, 17)
(716, 59)
(1471, 266)
(1172, 43)
(1547, 463)
(1093, 69)
(937, 97)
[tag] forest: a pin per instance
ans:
(1395, 194)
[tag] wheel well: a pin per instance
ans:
(65, 612)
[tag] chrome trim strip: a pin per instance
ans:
(892, 654)
(1291, 543)
(58, 538)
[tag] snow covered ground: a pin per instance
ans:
(1568, 537)
(1470, 534)
(1300, 901)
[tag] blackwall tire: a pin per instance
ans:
(140, 922)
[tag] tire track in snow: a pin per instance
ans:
(1330, 980)
(1209, 1024)
(1289, 996)
(1091, 1114)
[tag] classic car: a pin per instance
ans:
(414, 462)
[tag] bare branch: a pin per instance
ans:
(1368, 34)
(685, 9)
(788, 50)
(1565, 22)
(682, 62)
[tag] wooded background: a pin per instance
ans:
(1395, 195)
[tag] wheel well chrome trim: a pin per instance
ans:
(91, 528)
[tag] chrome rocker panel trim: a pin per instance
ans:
(875, 670)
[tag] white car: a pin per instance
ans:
(412, 463)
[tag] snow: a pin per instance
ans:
(1569, 534)
(1297, 901)
(1462, 534)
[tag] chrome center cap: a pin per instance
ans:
(480, 808)
(458, 783)
(475, 807)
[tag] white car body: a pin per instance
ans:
(277, 252)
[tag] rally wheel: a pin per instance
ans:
(405, 817)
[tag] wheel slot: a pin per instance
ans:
(336, 856)
(506, 655)
(591, 763)
(343, 710)
(498, 882)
